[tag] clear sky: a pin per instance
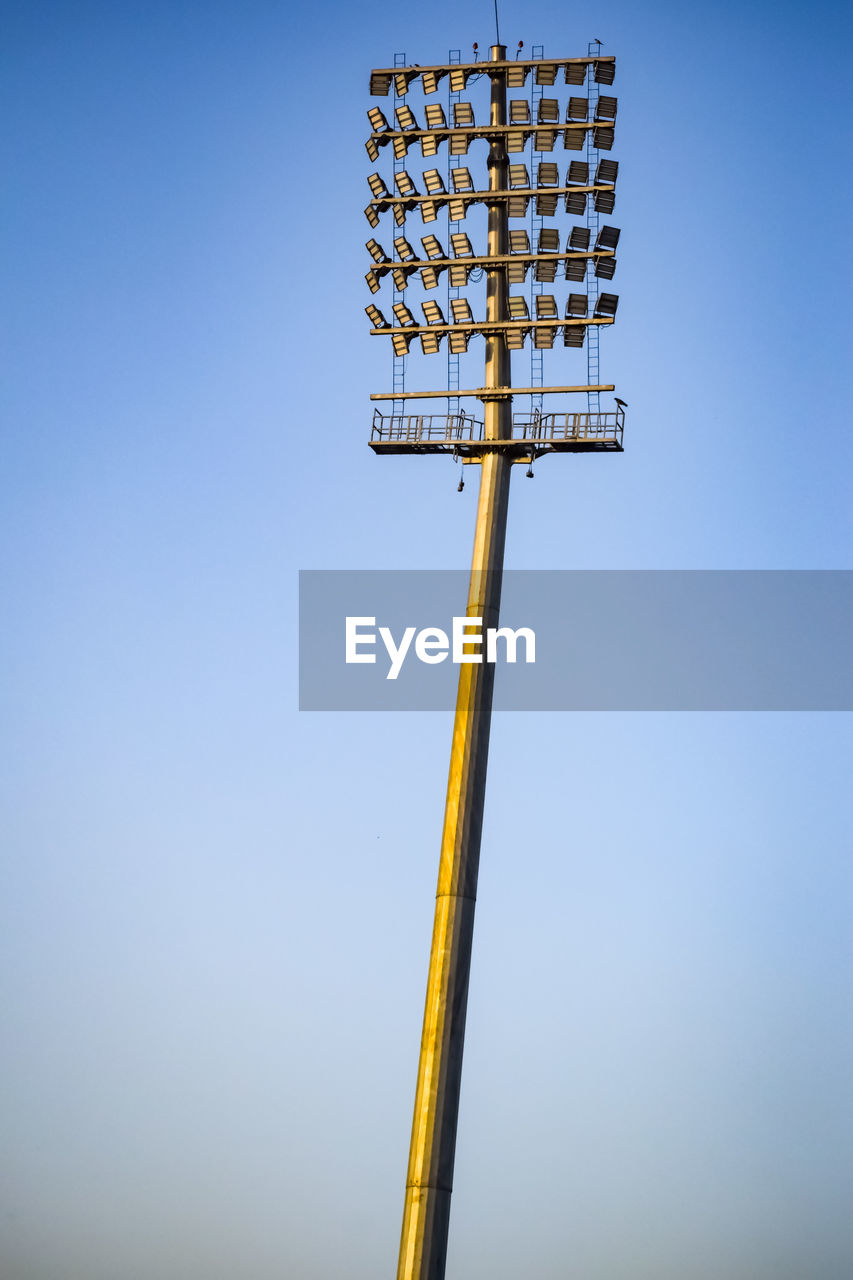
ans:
(216, 911)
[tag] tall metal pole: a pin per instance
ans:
(423, 1245)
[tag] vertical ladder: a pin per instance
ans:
(398, 371)
(454, 57)
(536, 287)
(592, 156)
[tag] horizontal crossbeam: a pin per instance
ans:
(507, 193)
(489, 393)
(489, 67)
(497, 259)
(494, 326)
(486, 130)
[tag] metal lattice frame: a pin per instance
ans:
(398, 370)
(592, 156)
(454, 57)
(537, 362)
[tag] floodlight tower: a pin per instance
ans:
(495, 444)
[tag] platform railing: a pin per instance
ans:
(539, 428)
(568, 426)
(414, 427)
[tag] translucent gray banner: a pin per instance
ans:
(752, 640)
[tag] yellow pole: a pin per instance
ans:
(423, 1245)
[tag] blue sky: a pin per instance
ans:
(217, 911)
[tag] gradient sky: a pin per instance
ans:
(216, 911)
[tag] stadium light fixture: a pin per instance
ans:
(606, 304)
(432, 247)
(518, 176)
(607, 238)
(461, 179)
(434, 182)
(461, 245)
(376, 117)
(406, 116)
(575, 203)
(501, 440)
(403, 314)
(404, 184)
(376, 251)
(404, 250)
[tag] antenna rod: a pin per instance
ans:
(497, 28)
